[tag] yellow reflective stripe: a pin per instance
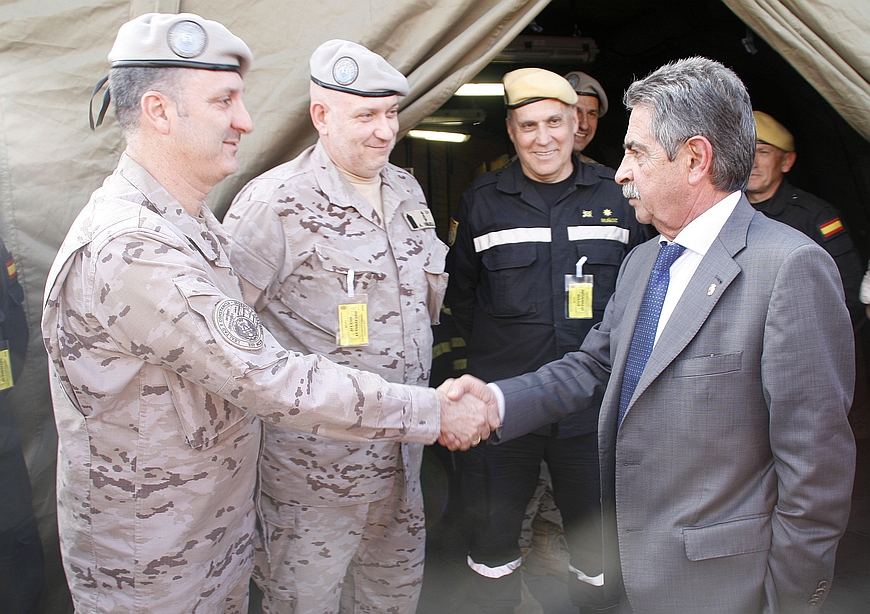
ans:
(510, 236)
(440, 348)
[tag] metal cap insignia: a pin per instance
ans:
(345, 71)
(238, 324)
(187, 39)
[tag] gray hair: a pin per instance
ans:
(128, 84)
(700, 97)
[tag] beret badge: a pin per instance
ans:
(345, 70)
(187, 39)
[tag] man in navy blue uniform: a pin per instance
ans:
(771, 193)
(518, 232)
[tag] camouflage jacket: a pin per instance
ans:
(158, 371)
(297, 230)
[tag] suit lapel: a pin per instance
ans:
(634, 277)
(714, 274)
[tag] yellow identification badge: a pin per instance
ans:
(580, 300)
(353, 324)
(578, 294)
(5, 369)
(353, 317)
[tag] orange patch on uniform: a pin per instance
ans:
(831, 228)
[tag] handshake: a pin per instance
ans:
(469, 412)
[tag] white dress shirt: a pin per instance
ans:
(696, 237)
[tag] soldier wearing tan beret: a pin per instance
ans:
(771, 193)
(160, 373)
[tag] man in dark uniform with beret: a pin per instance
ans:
(21, 566)
(771, 193)
(518, 232)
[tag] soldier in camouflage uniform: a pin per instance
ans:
(159, 371)
(340, 219)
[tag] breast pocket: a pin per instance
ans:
(715, 364)
(509, 287)
(337, 263)
(603, 259)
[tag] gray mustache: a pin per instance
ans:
(629, 190)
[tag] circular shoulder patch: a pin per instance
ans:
(238, 324)
(574, 80)
(345, 70)
(187, 39)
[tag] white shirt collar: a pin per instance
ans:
(700, 233)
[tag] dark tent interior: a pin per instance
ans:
(624, 39)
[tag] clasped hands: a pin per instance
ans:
(469, 411)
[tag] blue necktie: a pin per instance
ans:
(647, 322)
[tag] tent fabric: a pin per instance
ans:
(826, 41)
(54, 52)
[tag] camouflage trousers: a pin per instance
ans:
(541, 504)
(349, 559)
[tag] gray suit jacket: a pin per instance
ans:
(728, 485)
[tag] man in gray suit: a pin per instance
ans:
(726, 456)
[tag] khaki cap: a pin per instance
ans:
(585, 85)
(528, 85)
(770, 131)
(183, 40)
(351, 68)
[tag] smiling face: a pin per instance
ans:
(211, 119)
(543, 134)
(358, 132)
(587, 121)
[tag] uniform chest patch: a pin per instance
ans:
(238, 324)
(420, 219)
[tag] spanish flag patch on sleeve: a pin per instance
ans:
(831, 228)
(11, 269)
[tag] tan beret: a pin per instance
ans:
(528, 85)
(183, 40)
(585, 85)
(770, 131)
(351, 68)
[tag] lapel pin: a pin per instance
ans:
(711, 289)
